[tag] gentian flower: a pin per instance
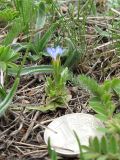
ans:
(54, 52)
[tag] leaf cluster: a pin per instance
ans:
(102, 100)
(56, 88)
(7, 58)
(8, 14)
(108, 148)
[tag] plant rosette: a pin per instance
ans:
(56, 91)
(58, 101)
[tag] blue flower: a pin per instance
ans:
(54, 52)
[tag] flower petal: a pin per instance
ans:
(59, 50)
(52, 52)
(49, 50)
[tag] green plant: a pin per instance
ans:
(28, 12)
(26, 9)
(8, 14)
(104, 101)
(74, 27)
(102, 95)
(41, 41)
(23, 22)
(31, 70)
(51, 152)
(30, 19)
(7, 59)
(6, 98)
(55, 86)
(108, 148)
